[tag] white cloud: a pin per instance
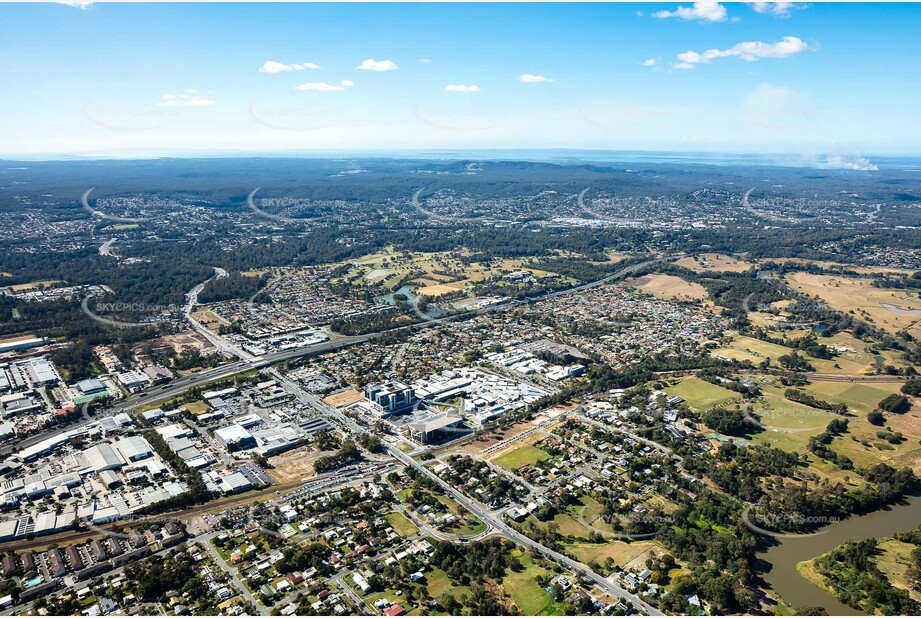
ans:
(860, 164)
(777, 9)
(189, 98)
(708, 10)
(461, 88)
(748, 51)
(324, 87)
(377, 65)
(271, 66)
(527, 78)
(425, 60)
(649, 62)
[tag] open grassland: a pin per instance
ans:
(434, 274)
(714, 262)
(789, 424)
(525, 455)
(621, 552)
(437, 583)
(893, 560)
(670, 287)
(865, 302)
(701, 395)
(401, 524)
(861, 443)
(531, 599)
(754, 350)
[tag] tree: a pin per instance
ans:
(899, 404)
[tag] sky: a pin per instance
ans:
(834, 81)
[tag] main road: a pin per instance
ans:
(507, 531)
(175, 388)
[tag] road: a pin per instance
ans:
(507, 531)
(231, 573)
(248, 362)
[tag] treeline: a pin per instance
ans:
(234, 285)
(346, 454)
(852, 572)
(807, 399)
(197, 492)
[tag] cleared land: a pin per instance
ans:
(789, 424)
(528, 595)
(402, 525)
(859, 298)
(525, 455)
(714, 262)
(670, 287)
(701, 395)
(435, 274)
(754, 350)
(339, 400)
(621, 552)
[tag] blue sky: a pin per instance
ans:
(163, 79)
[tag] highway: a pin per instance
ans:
(159, 394)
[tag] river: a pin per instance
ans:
(783, 557)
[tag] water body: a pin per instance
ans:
(406, 290)
(896, 309)
(782, 558)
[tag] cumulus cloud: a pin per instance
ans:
(777, 9)
(189, 98)
(426, 60)
(749, 51)
(708, 10)
(461, 88)
(324, 87)
(650, 62)
(377, 65)
(271, 66)
(528, 78)
(860, 164)
(77, 4)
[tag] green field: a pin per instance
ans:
(530, 598)
(401, 525)
(437, 583)
(522, 456)
(754, 350)
(789, 424)
(701, 395)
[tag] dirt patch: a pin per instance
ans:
(340, 400)
(295, 465)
